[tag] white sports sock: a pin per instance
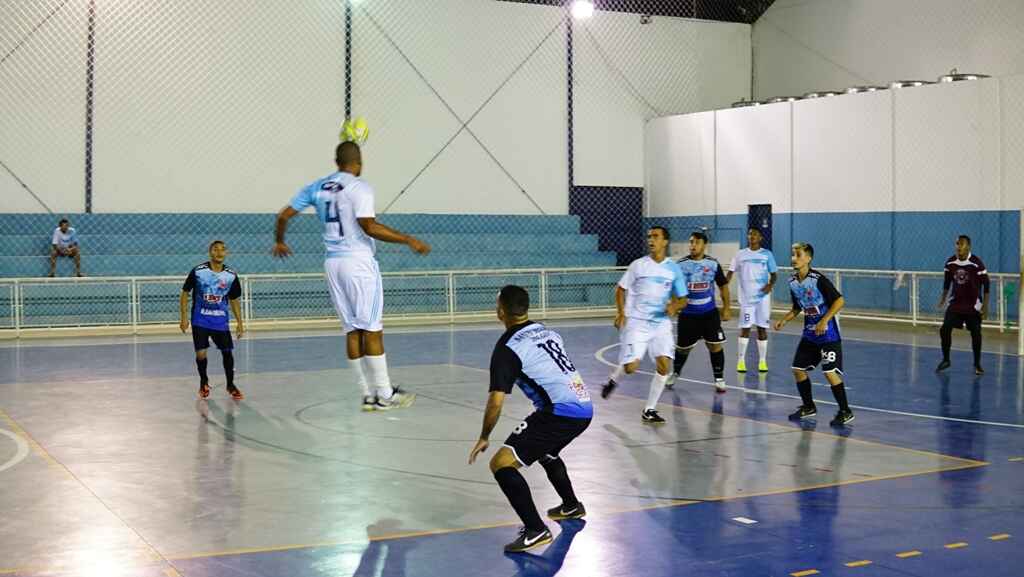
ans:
(657, 387)
(762, 349)
(377, 372)
(360, 371)
(741, 350)
(617, 374)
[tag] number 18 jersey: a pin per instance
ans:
(533, 357)
(340, 199)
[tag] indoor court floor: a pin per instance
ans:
(110, 466)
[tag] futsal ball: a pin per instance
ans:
(355, 130)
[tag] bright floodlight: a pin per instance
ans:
(582, 9)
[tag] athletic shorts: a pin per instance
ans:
(809, 354)
(543, 435)
(640, 336)
(357, 292)
(756, 314)
(959, 320)
(201, 337)
(707, 326)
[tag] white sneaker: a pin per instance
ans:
(399, 400)
(720, 386)
(671, 380)
(369, 403)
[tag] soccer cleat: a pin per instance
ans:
(741, 366)
(369, 403)
(235, 393)
(671, 382)
(204, 389)
(651, 416)
(399, 400)
(606, 390)
(942, 366)
(841, 418)
(528, 540)
(720, 386)
(762, 366)
(561, 512)
(803, 412)
(978, 370)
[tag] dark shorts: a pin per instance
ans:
(201, 337)
(543, 435)
(809, 354)
(958, 320)
(693, 328)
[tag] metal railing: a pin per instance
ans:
(133, 303)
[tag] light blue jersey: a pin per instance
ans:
(701, 277)
(211, 293)
(754, 269)
(340, 200)
(649, 286)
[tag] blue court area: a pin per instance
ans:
(110, 466)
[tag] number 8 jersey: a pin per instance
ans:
(340, 199)
(533, 357)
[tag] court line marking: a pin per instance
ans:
(858, 563)
(958, 545)
(599, 355)
(805, 573)
(908, 554)
(21, 453)
(999, 537)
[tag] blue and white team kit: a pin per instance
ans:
(649, 287)
(211, 293)
(353, 275)
(814, 295)
(754, 269)
(533, 357)
(700, 318)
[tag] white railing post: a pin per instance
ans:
(543, 293)
(1002, 304)
(915, 297)
(246, 300)
(451, 297)
(18, 310)
(133, 305)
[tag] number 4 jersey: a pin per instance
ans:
(533, 357)
(340, 199)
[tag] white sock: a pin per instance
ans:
(377, 372)
(360, 371)
(741, 350)
(762, 349)
(617, 374)
(657, 387)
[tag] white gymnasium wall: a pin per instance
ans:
(805, 45)
(232, 106)
(946, 147)
(626, 72)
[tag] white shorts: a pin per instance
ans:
(759, 314)
(357, 292)
(640, 336)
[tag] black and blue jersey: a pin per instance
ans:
(701, 277)
(533, 357)
(211, 292)
(814, 296)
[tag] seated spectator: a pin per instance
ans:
(65, 243)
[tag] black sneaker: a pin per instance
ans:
(842, 417)
(606, 390)
(651, 416)
(561, 512)
(369, 403)
(528, 540)
(942, 366)
(978, 370)
(803, 412)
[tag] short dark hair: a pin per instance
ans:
(215, 243)
(804, 247)
(514, 300)
(664, 231)
(757, 230)
(62, 221)
(699, 235)
(965, 237)
(348, 153)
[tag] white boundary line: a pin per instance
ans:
(22, 450)
(599, 355)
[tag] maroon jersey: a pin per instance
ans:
(967, 278)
